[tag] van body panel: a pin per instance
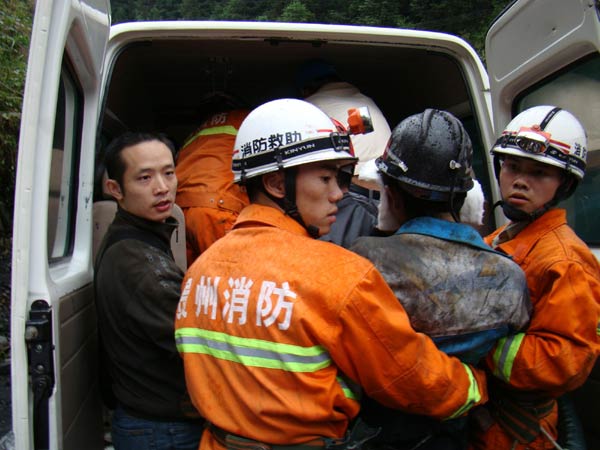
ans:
(533, 39)
(52, 220)
(548, 52)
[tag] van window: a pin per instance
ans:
(577, 89)
(64, 169)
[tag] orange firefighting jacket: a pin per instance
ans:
(203, 166)
(558, 351)
(276, 329)
(206, 193)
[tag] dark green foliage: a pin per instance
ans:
(469, 19)
(15, 22)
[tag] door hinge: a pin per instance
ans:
(40, 353)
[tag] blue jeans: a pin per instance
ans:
(133, 433)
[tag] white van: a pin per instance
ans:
(87, 82)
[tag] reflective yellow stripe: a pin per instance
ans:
(227, 129)
(505, 354)
(473, 397)
(348, 392)
(252, 352)
(598, 329)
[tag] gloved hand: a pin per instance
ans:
(386, 218)
(472, 210)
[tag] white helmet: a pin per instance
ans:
(546, 134)
(286, 133)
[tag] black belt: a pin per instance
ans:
(235, 442)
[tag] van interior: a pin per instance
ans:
(166, 85)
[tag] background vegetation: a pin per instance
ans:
(469, 19)
(15, 23)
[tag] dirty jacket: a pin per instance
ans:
(558, 351)
(294, 324)
(456, 289)
(137, 286)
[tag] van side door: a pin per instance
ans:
(53, 324)
(548, 52)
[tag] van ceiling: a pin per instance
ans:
(159, 85)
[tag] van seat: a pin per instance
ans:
(103, 214)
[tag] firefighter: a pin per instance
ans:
(540, 158)
(454, 287)
(209, 199)
(280, 331)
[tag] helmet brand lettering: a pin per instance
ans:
(298, 149)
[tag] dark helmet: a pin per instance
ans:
(430, 154)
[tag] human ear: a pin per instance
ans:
(112, 187)
(274, 183)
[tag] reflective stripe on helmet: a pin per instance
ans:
(285, 133)
(549, 135)
(335, 141)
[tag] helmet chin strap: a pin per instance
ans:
(517, 215)
(288, 203)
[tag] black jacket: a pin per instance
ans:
(137, 285)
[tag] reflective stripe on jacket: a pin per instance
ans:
(275, 328)
(204, 165)
(561, 344)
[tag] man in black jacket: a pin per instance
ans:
(137, 287)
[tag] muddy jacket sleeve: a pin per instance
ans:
(399, 367)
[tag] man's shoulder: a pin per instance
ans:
(359, 201)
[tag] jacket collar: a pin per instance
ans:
(525, 240)
(443, 229)
(261, 215)
(163, 230)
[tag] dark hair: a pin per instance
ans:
(253, 187)
(115, 166)
(418, 207)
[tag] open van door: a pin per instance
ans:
(53, 319)
(548, 52)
